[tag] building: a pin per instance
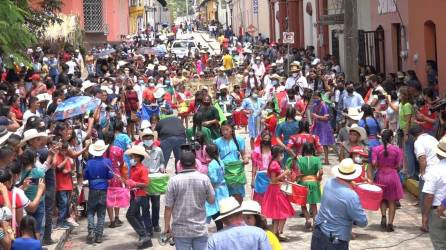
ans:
(250, 14)
(156, 12)
(411, 35)
(136, 16)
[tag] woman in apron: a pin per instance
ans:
(261, 157)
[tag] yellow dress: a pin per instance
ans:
(273, 241)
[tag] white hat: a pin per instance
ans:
(228, 206)
(258, 58)
(354, 113)
(31, 134)
(159, 92)
(441, 147)
(221, 68)
(146, 131)
(38, 49)
(87, 84)
(77, 51)
(247, 51)
(137, 150)
(4, 134)
(162, 68)
(145, 124)
(315, 61)
(150, 67)
(223, 86)
(43, 97)
(251, 207)
(360, 130)
(347, 170)
(98, 148)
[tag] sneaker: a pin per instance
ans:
(144, 242)
(72, 222)
(90, 238)
(157, 229)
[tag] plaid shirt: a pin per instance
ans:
(186, 195)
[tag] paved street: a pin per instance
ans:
(406, 235)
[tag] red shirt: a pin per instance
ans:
(297, 141)
(140, 174)
(18, 113)
(64, 182)
(427, 127)
(147, 95)
(18, 201)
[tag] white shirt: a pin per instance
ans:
(425, 145)
(259, 69)
(301, 81)
(29, 114)
(71, 65)
(435, 182)
(139, 90)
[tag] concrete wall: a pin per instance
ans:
(243, 16)
(310, 29)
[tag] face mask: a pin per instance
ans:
(148, 143)
(295, 75)
(140, 82)
(132, 162)
(251, 73)
(151, 84)
(358, 159)
(112, 114)
(207, 104)
(274, 83)
(266, 143)
(254, 96)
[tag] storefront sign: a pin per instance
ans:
(255, 6)
(386, 6)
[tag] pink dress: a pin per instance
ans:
(261, 161)
(275, 204)
(116, 155)
(387, 174)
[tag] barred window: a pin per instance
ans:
(93, 16)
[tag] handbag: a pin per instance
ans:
(261, 182)
(118, 197)
(286, 188)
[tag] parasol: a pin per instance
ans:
(74, 106)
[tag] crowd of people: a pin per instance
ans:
(283, 114)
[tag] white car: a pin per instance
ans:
(181, 48)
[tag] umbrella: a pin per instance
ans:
(146, 51)
(106, 52)
(74, 106)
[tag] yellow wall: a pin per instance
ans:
(134, 12)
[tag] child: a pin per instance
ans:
(138, 182)
(64, 185)
(28, 241)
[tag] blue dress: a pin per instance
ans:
(254, 118)
(216, 173)
(322, 128)
(229, 153)
(123, 141)
(373, 130)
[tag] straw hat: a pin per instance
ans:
(354, 113)
(147, 131)
(31, 134)
(294, 67)
(441, 147)
(228, 206)
(137, 150)
(347, 170)
(275, 76)
(221, 69)
(87, 84)
(98, 148)
(251, 207)
(159, 92)
(360, 130)
(4, 134)
(162, 68)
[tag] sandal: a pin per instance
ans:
(390, 228)
(282, 238)
(383, 222)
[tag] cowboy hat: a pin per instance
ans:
(31, 134)
(294, 67)
(228, 206)
(45, 97)
(137, 150)
(347, 170)
(360, 130)
(221, 68)
(162, 68)
(354, 114)
(145, 124)
(159, 92)
(441, 147)
(4, 134)
(147, 131)
(275, 76)
(251, 207)
(98, 148)
(87, 84)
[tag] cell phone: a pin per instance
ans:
(34, 181)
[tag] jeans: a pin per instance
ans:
(170, 144)
(437, 231)
(321, 241)
(50, 193)
(141, 223)
(63, 201)
(39, 215)
(196, 243)
(155, 200)
(96, 205)
(409, 154)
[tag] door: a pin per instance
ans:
(371, 49)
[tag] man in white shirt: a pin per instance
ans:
(72, 64)
(435, 192)
(296, 79)
(258, 67)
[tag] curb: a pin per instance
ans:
(412, 187)
(61, 237)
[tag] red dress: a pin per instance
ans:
(297, 141)
(275, 204)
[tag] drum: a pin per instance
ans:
(157, 183)
(261, 183)
(298, 195)
(370, 195)
(118, 197)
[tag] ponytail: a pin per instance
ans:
(386, 137)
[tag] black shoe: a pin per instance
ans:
(118, 222)
(157, 229)
(112, 224)
(90, 238)
(390, 228)
(47, 242)
(98, 239)
(383, 222)
(144, 242)
(398, 205)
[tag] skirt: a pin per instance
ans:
(240, 118)
(314, 191)
(275, 204)
(390, 180)
(325, 133)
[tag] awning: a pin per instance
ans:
(163, 2)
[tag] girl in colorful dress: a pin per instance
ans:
(275, 204)
(286, 129)
(261, 157)
(216, 173)
(296, 142)
(183, 97)
(321, 124)
(371, 126)
(232, 150)
(387, 159)
(311, 169)
(252, 106)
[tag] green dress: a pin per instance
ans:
(204, 130)
(310, 165)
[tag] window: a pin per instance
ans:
(93, 16)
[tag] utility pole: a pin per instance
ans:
(187, 9)
(351, 41)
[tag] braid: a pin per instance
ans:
(385, 142)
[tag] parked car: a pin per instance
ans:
(181, 48)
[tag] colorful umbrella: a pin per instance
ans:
(75, 106)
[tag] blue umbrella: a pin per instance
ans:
(74, 106)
